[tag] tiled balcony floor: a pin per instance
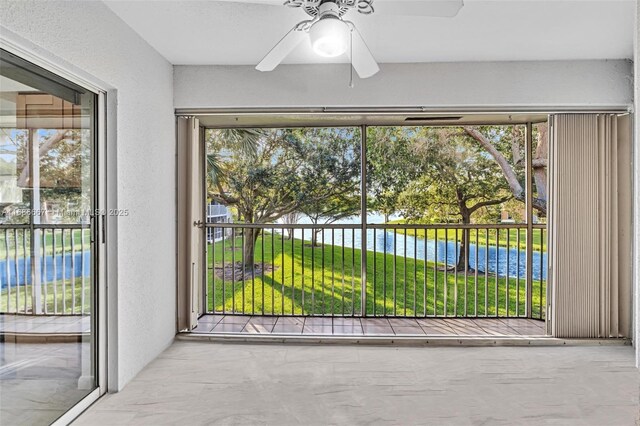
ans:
(45, 324)
(224, 324)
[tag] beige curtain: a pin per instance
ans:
(190, 214)
(590, 225)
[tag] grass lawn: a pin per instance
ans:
(331, 284)
(58, 294)
(538, 242)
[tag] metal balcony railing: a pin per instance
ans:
(404, 271)
(45, 269)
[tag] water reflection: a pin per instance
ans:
(511, 262)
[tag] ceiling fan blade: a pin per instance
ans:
(435, 8)
(361, 57)
(282, 49)
(265, 2)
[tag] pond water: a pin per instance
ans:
(494, 260)
(12, 271)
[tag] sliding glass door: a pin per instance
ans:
(47, 243)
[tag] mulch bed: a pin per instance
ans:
(231, 271)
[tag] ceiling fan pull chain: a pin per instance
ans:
(351, 84)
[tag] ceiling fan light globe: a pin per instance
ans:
(329, 37)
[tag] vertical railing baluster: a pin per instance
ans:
(475, 274)
(333, 270)
(395, 261)
(243, 271)
(264, 272)
(224, 273)
(518, 274)
(64, 273)
(415, 272)
(25, 271)
(435, 273)
(384, 274)
(7, 269)
(273, 271)
(16, 268)
(540, 271)
(353, 272)
(233, 273)
(73, 271)
(343, 283)
(446, 269)
(244, 268)
(211, 266)
(45, 281)
(205, 262)
(455, 275)
(404, 281)
(282, 268)
(293, 273)
(467, 236)
(324, 305)
(424, 276)
(486, 273)
(82, 270)
(255, 232)
(302, 281)
(313, 272)
(497, 267)
(55, 271)
(508, 280)
(373, 275)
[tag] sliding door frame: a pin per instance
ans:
(103, 257)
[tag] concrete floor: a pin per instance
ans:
(200, 383)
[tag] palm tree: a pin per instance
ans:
(246, 142)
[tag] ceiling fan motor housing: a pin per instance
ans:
(313, 7)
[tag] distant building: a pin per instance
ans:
(217, 213)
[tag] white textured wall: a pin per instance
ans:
(483, 84)
(92, 38)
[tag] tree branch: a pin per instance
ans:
(23, 180)
(509, 174)
(489, 203)
(538, 163)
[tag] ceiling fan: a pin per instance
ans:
(331, 35)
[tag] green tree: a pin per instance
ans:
(390, 167)
(331, 176)
(280, 171)
(450, 178)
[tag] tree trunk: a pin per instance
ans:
(540, 171)
(292, 219)
(314, 237)
(386, 218)
(248, 251)
(463, 256)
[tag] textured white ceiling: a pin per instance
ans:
(217, 33)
